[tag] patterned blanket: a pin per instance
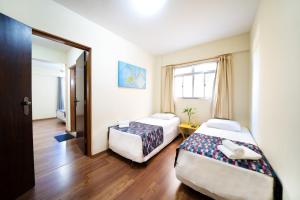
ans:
(152, 136)
(207, 146)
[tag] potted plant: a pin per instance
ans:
(189, 112)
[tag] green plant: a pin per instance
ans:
(189, 112)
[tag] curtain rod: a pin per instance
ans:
(197, 61)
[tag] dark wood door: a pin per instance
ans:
(80, 100)
(16, 142)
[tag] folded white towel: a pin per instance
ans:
(248, 153)
(124, 123)
(236, 149)
(226, 152)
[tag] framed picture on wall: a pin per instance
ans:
(131, 76)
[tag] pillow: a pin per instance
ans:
(224, 124)
(165, 116)
(123, 123)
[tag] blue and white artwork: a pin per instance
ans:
(130, 76)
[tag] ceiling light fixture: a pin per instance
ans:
(147, 7)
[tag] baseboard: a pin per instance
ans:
(34, 120)
(71, 132)
(98, 154)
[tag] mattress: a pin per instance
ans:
(220, 180)
(130, 146)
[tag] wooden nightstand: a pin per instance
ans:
(187, 129)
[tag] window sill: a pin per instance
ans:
(199, 98)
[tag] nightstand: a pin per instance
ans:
(187, 129)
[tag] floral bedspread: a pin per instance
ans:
(207, 146)
(152, 136)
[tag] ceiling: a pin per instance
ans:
(178, 24)
(50, 44)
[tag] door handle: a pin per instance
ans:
(76, 102)
(26, 103)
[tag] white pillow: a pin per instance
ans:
(165, 116)
(124, 123)
(224, 124)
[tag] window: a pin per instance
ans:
(196, 81)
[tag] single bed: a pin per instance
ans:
(61, 115)
(130, 145)
(219, 179)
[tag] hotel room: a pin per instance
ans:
(140, 99)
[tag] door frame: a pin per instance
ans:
(88, 85)
(72, 95)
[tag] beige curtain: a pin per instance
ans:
(167, 100)
(222, 101)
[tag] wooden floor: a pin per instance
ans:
(49, 154)
(62, 172)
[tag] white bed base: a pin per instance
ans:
(130, 146)
(220, 180)
(60, 114)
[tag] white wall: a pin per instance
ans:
(109, 103)
(239, 47)
(55, 55)
(275, 89)
(48, 54)
(46, 68)
(72, 56)
(45, 89)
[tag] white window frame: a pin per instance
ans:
(193, 73)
